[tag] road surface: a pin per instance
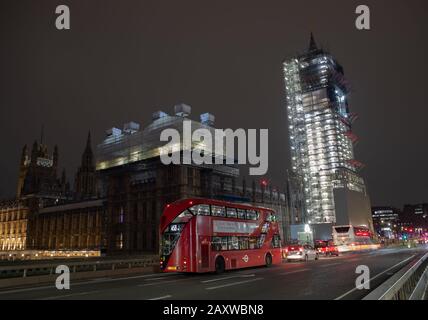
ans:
(327, 278)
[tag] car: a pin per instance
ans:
(301, 253)
(327, 248)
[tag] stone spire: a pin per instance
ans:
(312, 43)
(88, 155)
(85, 176)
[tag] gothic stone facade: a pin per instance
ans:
(13, 225)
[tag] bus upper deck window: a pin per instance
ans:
(201, 209)
(231, 212)
(242, 213)
(218, 211)
(252, 215)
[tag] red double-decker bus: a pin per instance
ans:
(204, 235)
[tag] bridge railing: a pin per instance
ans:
(29, 270)
(410, 283)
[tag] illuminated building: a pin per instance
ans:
(415, 215)
(385, 221)
(13, 225)
(137, 185)
(321, 139)
(46, 215)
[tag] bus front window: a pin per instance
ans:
(168, 242)
(171, 234)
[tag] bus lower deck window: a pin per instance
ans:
(243, 243)
(233, 243)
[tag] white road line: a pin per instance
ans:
(101, 280)
(161, 298)
(295, 271)
(330, 265)
(162, 282)
(69, 295)
(153, 279)
(218, 279)
(233, 284)
(376, 276)
(231, 277)
(27, 289)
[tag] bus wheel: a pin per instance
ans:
(268, 260)
(219, 265)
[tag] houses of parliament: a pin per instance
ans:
(44, 214)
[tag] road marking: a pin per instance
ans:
(158, 278)
(162, 282)
(231, 277)
(161, 298)
(69, 295)
(93, 281)
(295, 271)
(330, 265)
(233, 284)
(376, 276)
(27, 289)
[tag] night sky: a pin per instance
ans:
(123, 60)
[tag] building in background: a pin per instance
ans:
(137, 185)
(74, 226)
(416, 210)
(414, 218)
(77, 223)
(386, 221)
(13, 225)
(322, 141)
(46, 214)
(38, 185)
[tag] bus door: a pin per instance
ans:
(205, 252)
